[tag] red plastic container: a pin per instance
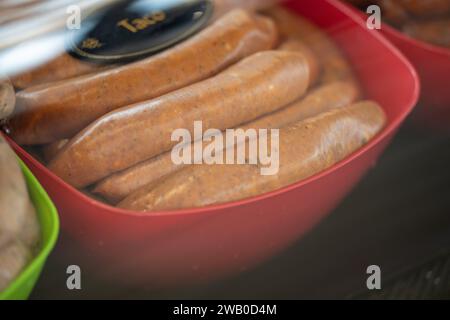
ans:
(433, 66)
(192, 246)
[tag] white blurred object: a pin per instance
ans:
(22, 23)
(33, 32)
(30, 54)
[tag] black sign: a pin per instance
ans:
(137, 28)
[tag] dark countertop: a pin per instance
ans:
(397, 218)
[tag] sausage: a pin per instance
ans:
(7, 98)
(14, 256)
(334, 65)
(257, 85)
(426, 9)
(306, 148)
(50, 151)
(324, 98)
(119, 185)
(62, 67)
(17, 215)
(53, 112)
(299, 46)
(435, 32)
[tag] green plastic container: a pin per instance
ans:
(22, 286)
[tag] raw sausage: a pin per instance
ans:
(324, 98)
(50, 150)
(255, 86)
(306, 148)
(52, 112)
(62, 67)
(334, 65)
(298, 46)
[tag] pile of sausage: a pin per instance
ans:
(425, 20)
(109, 131)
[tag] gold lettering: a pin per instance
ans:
(142, 23)
(91, 43)
(124, 23)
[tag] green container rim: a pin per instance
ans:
(21, 287)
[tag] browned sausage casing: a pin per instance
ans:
(326, 97)
(306, 148)
(257, 85)
(48, 113)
